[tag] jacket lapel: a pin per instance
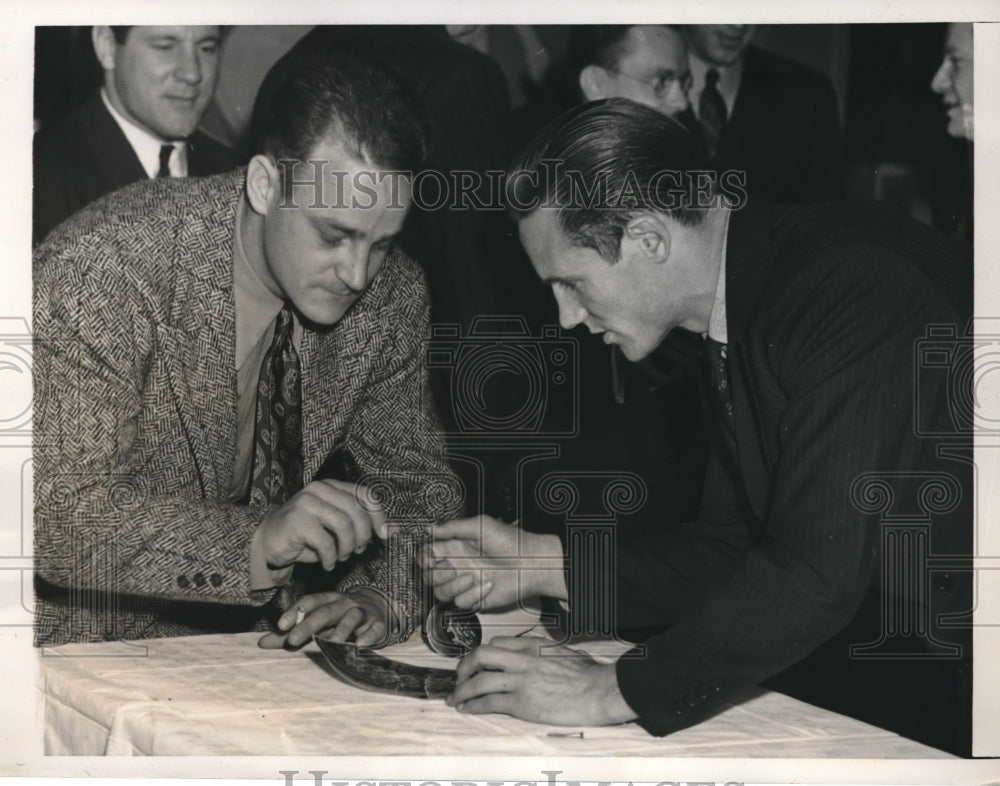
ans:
(115, 162)
(755, 467)
(336, 369)
(748, 262)
(323, 386)
(201, 336)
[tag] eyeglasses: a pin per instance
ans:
(662, 82)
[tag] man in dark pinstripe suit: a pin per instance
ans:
(840, 474)
(154, 313)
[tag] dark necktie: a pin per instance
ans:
(277, 463)
(165, 152)
(712, 111)
(722, 398)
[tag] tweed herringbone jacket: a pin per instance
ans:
(135, 420)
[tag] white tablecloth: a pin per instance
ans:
(221, 694)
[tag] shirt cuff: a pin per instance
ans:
(261, 576)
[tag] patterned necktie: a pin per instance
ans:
(165, 152)
(277, 463)
(722, 397)
(712, 111)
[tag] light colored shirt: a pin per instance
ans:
(728, 84)
(257, 310)
(718, 329)
(147, 146)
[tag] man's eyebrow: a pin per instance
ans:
(329, 223)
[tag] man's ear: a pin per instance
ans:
(593, 83)
(104, 46)
(651, 235)
(263, 183)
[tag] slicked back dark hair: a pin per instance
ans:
(362, 105)
(617, 139)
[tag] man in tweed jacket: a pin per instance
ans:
(142, 302)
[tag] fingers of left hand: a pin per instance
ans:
(440, 574)
(305, 605)
(503, 703)
(371, 636)
(343, 615)
(528, 644)
(481, 684)
(457, 585)
(442, 550)
(271, 641)
(474, 597)
(488, 657)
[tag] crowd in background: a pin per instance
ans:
(808, 112)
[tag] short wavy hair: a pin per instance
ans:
(366, 107)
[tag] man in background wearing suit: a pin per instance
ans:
(766, 114)
(646, 63)
(202, 346)
(813, 316)
(141, 124)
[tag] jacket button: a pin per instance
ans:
(215, 579)
(944, 582)
(182, 582)
(199, 580)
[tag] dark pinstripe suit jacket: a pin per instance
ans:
(135, 418)
(825, 308)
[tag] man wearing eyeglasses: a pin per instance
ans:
(645, 63)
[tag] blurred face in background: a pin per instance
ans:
(160, 78)
(953, 80)
(719, 45)
(653, 70)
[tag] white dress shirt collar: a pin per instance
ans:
(718, 326)
(147, 146)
